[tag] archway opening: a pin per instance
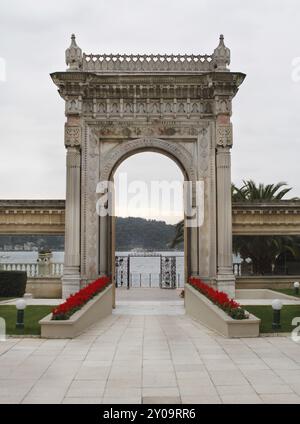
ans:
(149, 262)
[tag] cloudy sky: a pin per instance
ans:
(263, 36)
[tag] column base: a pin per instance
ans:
(226, 284)
(70, 284)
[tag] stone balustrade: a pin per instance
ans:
(35, 269)
(146, 63)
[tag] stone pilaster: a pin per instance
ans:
(225, 276)
(103, 243)
(71, 277)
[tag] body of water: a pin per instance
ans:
(139, 265)
(144, 270)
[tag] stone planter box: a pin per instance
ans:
(202, 309)
(97, 308)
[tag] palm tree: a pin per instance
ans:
(179, 234)
(261, 192)
(248, 192)
(262, 250)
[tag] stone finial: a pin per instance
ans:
(74, 56)
(221, 56)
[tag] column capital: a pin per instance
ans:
(72, 135)
(224, 138)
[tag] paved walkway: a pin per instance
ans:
(159, 359)
(148, 294)
(149, 308)
(150, 301)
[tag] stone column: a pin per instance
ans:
(191, 228)
(204, 203)
(71, 276)
(225, 276)
(103, 245)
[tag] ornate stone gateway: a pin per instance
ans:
(118, 105)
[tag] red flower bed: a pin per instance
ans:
(221, 299)
(77, 300)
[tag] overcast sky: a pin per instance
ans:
(264, 39)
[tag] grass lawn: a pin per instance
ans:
(290, 292)
(31, 318)
(265, 313)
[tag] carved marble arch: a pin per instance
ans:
(173, 150)
(109, 164)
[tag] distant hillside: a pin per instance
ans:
(31, 242)
(143, 233)
(131, 233)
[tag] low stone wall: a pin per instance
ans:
(44, 288)
(261, 294)
(266, 282)
(97, 308)
(210, 315)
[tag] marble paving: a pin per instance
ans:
(149, 358)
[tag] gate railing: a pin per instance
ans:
(167, 277)
(151, 280)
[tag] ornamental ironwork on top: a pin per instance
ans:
(142, 63)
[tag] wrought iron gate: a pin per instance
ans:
(168, 272)
(122, 271)
(167, 275)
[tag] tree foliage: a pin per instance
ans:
(252, 192)
(262, 250)
(147, 234)
(265, 250)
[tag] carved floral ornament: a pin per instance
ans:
(72, 136)
(224, 135)
(154, 128)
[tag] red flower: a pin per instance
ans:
(77, 300)
(219, 298)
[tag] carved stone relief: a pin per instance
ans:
(155, 128)
(92, 219)
(152, 107)
(179, 153)
(224, 135)
(72, 136)
(223, 106)
(73, 105)
(203, 159)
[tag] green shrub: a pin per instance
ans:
(12, 283)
